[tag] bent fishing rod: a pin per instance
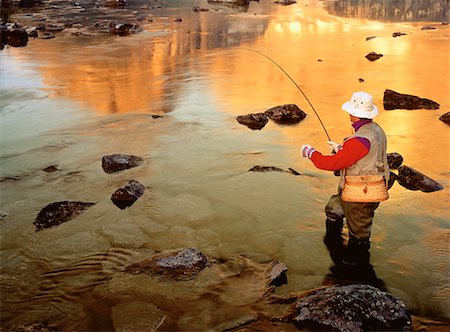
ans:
(292, 80)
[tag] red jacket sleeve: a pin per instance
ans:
(352, 151)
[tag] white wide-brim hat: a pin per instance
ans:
(361, 105)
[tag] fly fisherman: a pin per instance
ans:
(362, 156)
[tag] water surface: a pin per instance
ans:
(71, 100)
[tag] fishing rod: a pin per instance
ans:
(292, 80)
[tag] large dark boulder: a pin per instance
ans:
(285, 114)
(126, 196)
(393, 100)
(16, 37)
(394, 160)
(445, 118)
(253, 121)
(174, 265)
(411, 179)
(350, 308)
(57, 213)
(118, 162)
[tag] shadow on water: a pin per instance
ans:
(341, 273)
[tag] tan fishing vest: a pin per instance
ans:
(373, 163)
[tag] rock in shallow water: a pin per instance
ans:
(137, 316)
(126, 196)
(181, 265)
(285, 114)
(394, 160)
(253, 121)
(118, 162)
(445, 118)
(414, 180)
(372, 56)
(351, 308)
(16, 37)
(264, 169)
(57, 213)
(394, 100)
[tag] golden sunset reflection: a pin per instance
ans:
(138, 74)
(324, 54)
(67, 102)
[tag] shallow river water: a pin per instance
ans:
(69, 101)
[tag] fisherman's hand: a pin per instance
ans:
(334, 147)
(307, 151)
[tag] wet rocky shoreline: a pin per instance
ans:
(341, 304)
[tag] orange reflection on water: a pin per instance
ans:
(325, 54)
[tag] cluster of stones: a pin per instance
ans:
(373, 56)
(410, 178)
(343, 308)
(288, 114)
(57, 213)
(70, 15)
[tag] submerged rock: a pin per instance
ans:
(51, 169)
(370, 37)
(372, 56)
(351, 308)
(253, 121)
(180, 265)
(398, 34)
(394, 160)
(136, 316)
(394, 100)
(126, 196)
(285, 114)
(445, 118)
(57, 213)
(428, 27)
(264, 169)
(414, 180)
(118, 162)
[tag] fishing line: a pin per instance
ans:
(292, 80)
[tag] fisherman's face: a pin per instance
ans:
(353, 119)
